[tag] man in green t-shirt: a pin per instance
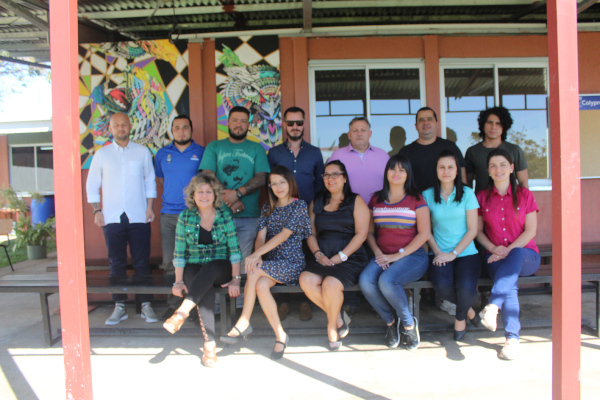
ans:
(242, 166)
(494, 124)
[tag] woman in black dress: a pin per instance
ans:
(340, 224)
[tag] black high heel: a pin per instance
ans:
(344, 329)
(234, 339)
(476, 321)
(277, 355)
(459, 334)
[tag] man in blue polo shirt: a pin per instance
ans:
(175, 165)
(306, 163)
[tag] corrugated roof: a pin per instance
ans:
(153, 19)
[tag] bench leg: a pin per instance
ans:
(223, 310)
(46, 320)
(416, 303)
(232, 312)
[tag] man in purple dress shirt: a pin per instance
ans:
(365, 163)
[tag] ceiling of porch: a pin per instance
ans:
(24, 23)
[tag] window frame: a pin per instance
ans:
(10, 159)
(359, 64)
(495, 64)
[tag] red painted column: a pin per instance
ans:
(69, 217)
(432, 75)
(566, 199)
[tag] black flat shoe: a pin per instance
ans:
(235, 339)
(476, 321)
(458, 335)
(277, 355)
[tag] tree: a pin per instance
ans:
(14, 77)
(536, 153)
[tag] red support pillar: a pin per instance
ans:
(69, 216)
(566, 199)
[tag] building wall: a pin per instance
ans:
(295, 55)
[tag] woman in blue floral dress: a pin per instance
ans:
(278, 256)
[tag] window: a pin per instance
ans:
(31, 168)
(387, 92)
(519, 85)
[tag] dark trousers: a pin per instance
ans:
(457, 282)
(200, 281)
(118, 236)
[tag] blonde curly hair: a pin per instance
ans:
(196, 182)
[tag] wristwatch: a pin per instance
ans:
(238, 193)
(343, 257)
(455, 253)
(401, 251)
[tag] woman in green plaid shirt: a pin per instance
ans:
(206, 254)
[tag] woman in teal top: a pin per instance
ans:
(455, 265)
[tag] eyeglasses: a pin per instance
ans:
(291, 123)
(335, 175)
(276, 184)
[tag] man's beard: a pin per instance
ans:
(296, 138)
(238, 137)
(183, 142)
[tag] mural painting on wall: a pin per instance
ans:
(248, 75)
(148, 80)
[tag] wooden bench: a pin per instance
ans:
(415, 297)
(46, 284)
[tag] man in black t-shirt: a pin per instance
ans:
(424, 151)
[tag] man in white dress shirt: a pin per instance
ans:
(124, 171)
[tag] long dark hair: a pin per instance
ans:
(289, 177)
(410, 188)
(513, 178)
(437, 185)
(503, 115)
(347, 191)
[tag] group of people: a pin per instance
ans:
(363, 218)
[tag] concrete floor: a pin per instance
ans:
(162, 366)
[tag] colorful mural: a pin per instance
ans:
(148, 80)
(248, 76)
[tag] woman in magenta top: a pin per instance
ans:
(400, 226)
(507, 226)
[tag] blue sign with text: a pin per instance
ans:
(589, 102)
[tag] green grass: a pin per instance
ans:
(20, 254)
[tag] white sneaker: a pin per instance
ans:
(510, 349)
(489, 316)
(449, 307)
(117, 316)
(148, 314)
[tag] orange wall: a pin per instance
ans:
(295, 53)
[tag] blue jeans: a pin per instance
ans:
(505, 273)
(245, 228)
(457, 282)
(383, 288)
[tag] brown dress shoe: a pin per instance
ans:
(283, 311)
(305, 312)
